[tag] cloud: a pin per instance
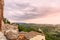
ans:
(24, 10)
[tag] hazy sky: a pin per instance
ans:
(33, 11)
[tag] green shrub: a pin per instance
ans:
(6, 21)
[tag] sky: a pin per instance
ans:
(32, 11)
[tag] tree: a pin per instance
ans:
(6, 21)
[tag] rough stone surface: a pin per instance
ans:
(2, 37)
(38, 37)
(22, 37)
(11, 34)
(6, 27)
(10, 31)
(32, 35)
(1, 13)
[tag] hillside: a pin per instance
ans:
(52, 32)
(19, 32)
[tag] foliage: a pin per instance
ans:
(6, 21)
(49, 30)
(26, 29)
(50, 33)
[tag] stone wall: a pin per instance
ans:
(1, 13)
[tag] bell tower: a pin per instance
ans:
(1, 13)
